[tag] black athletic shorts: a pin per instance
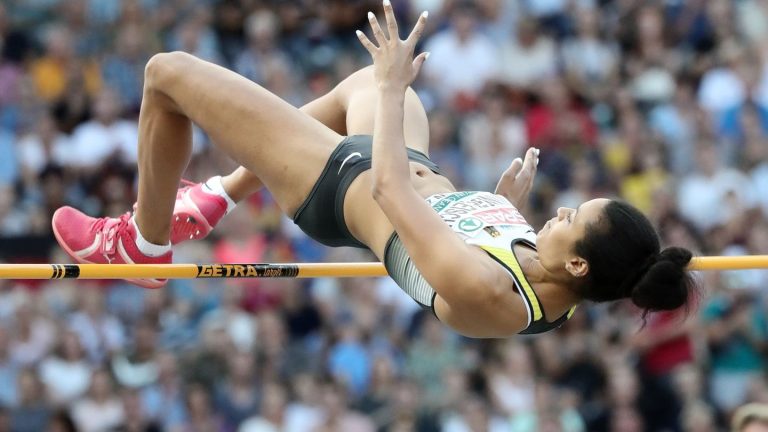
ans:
(321, 215)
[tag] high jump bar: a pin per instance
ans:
(268, 270)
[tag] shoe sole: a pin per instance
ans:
(195, 225)
(144, 283)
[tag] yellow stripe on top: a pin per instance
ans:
(508, 258)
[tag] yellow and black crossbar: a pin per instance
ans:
(267, 270)
(189, 271)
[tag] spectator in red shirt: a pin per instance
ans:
(557, 121)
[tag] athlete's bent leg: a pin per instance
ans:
(348, 109)
(196, 212)
(199, 207)
(165, 145)
(257, 129)
(253, 126)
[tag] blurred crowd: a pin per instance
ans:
(661, 103)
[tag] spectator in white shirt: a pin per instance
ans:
(528, 57)
(106, 136)
(44, 146)
(492, 139)
(101, 410)
(33, 336)
(461, 58)
(722, 87)
(272, 412)
(66, 374)
(712, 194)
(100, 332)
(137, 366)
(590, 61)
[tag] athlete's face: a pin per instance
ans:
(556, 240)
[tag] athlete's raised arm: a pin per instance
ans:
(463, 277)
(515, 183)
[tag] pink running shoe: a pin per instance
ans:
(196, 213)
(103, 241)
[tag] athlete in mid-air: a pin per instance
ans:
(352, 169)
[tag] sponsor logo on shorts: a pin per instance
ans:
(350, 156)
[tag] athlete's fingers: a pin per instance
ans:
(418, 61)
(531, 161)
(535, 167)
(509, 176)
(377, 32)
(367, 44)
(389, 14)
(418, 29)
(514, 168)
(528, 171)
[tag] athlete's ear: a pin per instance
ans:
(577, 266)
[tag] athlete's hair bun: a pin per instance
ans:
(665, 284)
(622, 250)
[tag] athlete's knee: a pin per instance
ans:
(366, 71)
(362, 78)
(163, 68)
(359, 81)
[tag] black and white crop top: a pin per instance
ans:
(492, 223)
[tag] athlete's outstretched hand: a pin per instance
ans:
(515, 184)
(393, 61)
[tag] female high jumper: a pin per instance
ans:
(352, 169)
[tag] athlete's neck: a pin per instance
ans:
(537, 276)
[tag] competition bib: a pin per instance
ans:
(474, 213)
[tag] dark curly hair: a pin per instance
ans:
(626, 261)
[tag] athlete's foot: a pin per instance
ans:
(195, 213)
(103, 241)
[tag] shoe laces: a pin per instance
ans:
(109, 228)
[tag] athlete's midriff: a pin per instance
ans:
(364, 218)
(428, 183)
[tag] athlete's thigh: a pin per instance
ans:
(358, 95)
(285, 148)
(328, 110)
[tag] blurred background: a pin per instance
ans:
(662, 103)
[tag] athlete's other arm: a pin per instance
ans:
(515, 183)
(465, 279)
